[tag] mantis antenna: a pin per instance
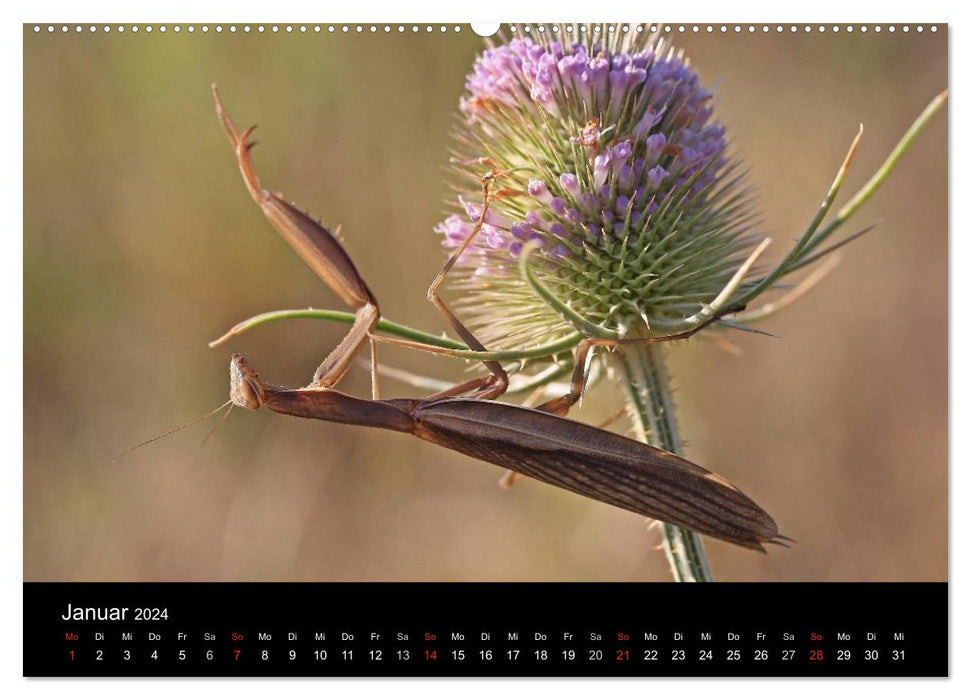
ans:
(182, 427)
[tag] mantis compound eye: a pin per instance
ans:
(245, 389)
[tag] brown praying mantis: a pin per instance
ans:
(537, 442)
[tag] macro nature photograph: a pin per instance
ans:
(658, 304)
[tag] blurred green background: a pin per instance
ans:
(141, 244)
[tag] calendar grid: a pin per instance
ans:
(501, 629)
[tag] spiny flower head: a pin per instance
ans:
(606, 168)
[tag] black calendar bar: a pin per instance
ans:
(478, 629)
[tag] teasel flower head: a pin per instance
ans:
(613, 206)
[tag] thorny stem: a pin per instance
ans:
(645, 377)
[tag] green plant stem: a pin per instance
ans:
(649, 391)
(420, 339)
(385, 325)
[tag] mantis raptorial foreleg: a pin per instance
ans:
(327, 257)
(320, 250)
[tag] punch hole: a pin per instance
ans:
(485, 28)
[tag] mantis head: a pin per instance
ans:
(245, 387)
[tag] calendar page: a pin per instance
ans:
(527, 327)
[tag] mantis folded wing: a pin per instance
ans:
(575, 456)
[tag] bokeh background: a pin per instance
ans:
(141, 244)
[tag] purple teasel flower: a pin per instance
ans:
(609, 170)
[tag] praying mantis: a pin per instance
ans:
(536, 442)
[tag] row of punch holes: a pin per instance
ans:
(514, 28)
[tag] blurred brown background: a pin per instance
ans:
(141, 245)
